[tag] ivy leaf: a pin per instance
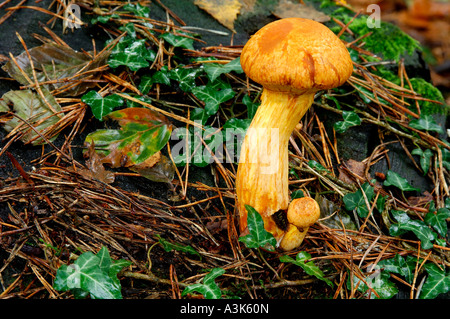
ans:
(208, 288)
(235, 130)
(143, 133)
(185, 77)
(169, 246)
(178, 40)
(426, 123)
(381, 284)
(394, 179)
(131, 53)
(251, 107)
(310, 268)
(357, 201)
(138, 9)
(350, 119)
(92, 274)
(438, 220)
(399, 266)
(147, 81)
(212, 97)
(418, 227)
(214, 70)
(437, 282)
(425, 158)
(258, 236)
(101, 106)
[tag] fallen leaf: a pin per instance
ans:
(224, 11)
(32, 108)
(95, 168)
(57, 62)
(288, 9)
(355, 167)
(137, 144)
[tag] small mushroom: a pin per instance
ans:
(292, 59)
(302, 213)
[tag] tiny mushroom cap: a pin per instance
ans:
(296, 55)
(303, 212)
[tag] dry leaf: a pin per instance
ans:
(288, 9)
(224, 11)
(95, 168)
(355, 167)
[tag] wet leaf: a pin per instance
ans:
(426, 123)
(138, 9)
(438, 220)
(185, 77)
(157, 168)
(56, 62)
(258, 237)
(95, 168)
(425, 158)
(214, 70)
(147, 81)
(350, 119)
(212, 97)
(437, 282)
(132, 53)
(101, 106)
(394, 179)
(357, 201)
(178, 41)
(32, 108)
(288, 9)
(309, 267)
(379, 283)
(208, 288)
(143, 133)
(224, 11)
(418, 227)
(169, 246)
(93, 274)
(400, 266)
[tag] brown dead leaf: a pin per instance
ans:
(224, 11)
(95, 168)
(420, 200)
(288, 9)
(350, 170)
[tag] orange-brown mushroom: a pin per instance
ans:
(292, 59)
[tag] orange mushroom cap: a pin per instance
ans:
(303, 212)
(296, 55)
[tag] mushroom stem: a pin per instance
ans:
(262, 177)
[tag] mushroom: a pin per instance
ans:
(302, 213)
(292, 59)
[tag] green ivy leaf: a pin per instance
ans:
(438, 220)
(425, 158)
(178, 40)
(258, 237)
(169, 246)
(357, 201)
(214, 70)
(131, 53)
(437, 282)
(394, 179)
(185, 77)
(101, 106)
(310, 268)
(418, 227)
(426, 123)
(138, 9)
(212, 97)
(208, 288)
(92, 274)
(235, 130)
(251, 107)
(400, 266)
(350, 119)
(381, 284)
